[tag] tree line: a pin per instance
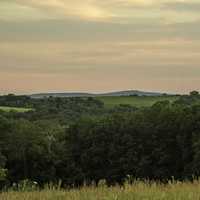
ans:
(85, 142)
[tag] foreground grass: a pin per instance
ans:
(16, 109)
(134, 100)
(138, 191)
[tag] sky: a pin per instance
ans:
(99, 45)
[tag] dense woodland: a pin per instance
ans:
(80, 141)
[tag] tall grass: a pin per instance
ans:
(137, 191)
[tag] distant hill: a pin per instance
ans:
(43, 95)
(118, 93)
(132, 92)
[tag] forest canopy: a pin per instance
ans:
(80, 141)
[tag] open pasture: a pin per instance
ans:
(137, 101)
(16, 109)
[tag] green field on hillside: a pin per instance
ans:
(136, 101)
(16, 109)
(137, 191)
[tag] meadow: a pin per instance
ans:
(137, 191)
(137, 101)
(16, 109)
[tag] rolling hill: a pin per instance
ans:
(117, 94)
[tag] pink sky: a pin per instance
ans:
(96, 46)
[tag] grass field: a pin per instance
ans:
(138, 191)
(135, 100)
(8, 109)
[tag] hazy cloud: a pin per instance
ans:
(118, 11)
(187, 6)
(99, 44)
